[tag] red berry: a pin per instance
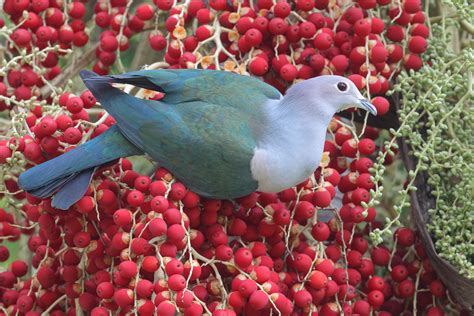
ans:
(203, 32)
(358, 55)
(282, 9)
(21, 37)
(340, 63)
(288, 72)
(76, 10)
(157, 227)
(166, 308)
(367, 4)
(122, 217)
(413, 61)
(376, 283)
(318, 280)
(247, 287)
(277, 26)
(253, 36)
(135, 198)
(378, 54)
(218, 5)
(406, 288)
(144, 288)
(102, 19)
(305, 5)
(72, 135)
(176, 282)
(322, 197)
(105, 290)
(5, 153)
(417, 44)
(395, 33)
(184, 299)
(364, 181)
(279, 61)
(150, 263)
(243, 257)
(109, 43)
(74, 104)
(177, 192)
(258, 300)
(363, 27)
(46, 277)
(145, 12)
(420, 30)
(19, 268)
(366, 146)
(303, 298)
(375, 298)
(377, 25)
(88, 99)
(164, 5)
(405, 237)
(123, 297)
(307, 30)
(380, 256)
(85, 205)
(434, 311)
(304, 210)
(175, 233)
(399, 273)
(412, 6)
(24, 303)
(381, 104)
(437, 288)
(39, 5)
(322, 41)
(82, 239)
(258, 66)
(54, 17)
(159, 203)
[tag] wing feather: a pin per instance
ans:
(213, 153)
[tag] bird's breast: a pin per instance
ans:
(275, 170)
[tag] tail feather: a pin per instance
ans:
(73, 190)
(50, 187)
(71, 170)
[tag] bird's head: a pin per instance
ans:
(344, 94)
(335, 93)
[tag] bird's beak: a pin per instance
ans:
(366, 105)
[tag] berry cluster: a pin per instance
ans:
(149, 245)
(43, 32)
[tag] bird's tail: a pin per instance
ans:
(67, 177)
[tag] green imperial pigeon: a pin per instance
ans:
(222, 134)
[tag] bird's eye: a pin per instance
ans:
(342, 86)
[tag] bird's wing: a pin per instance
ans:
(211, 86)
(207, 146)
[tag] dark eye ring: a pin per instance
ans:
(342, 86)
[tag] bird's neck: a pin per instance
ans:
(294, 123)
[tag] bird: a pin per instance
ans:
(222, 134)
